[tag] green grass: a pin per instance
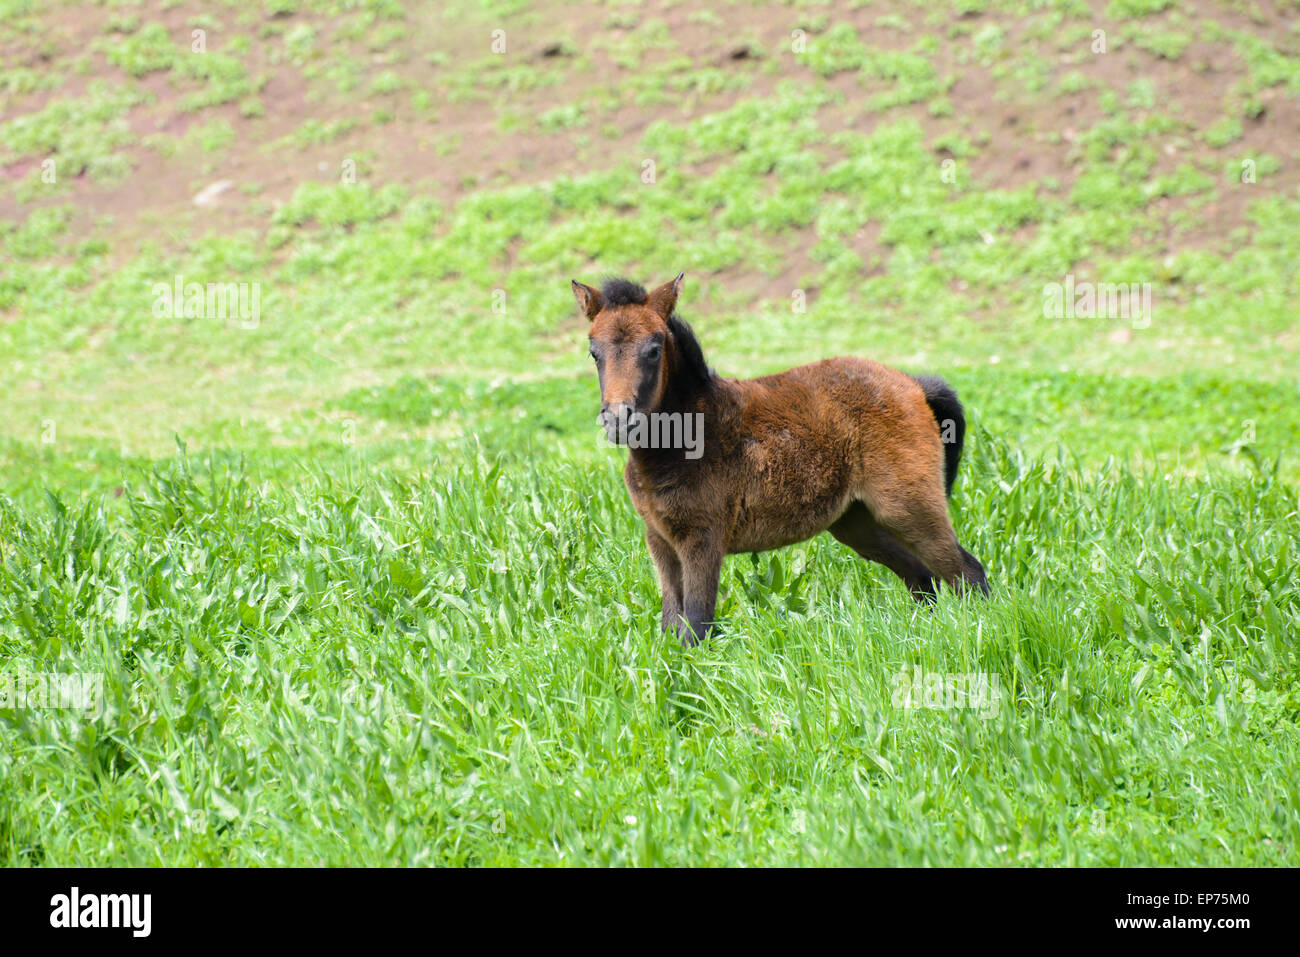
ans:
(463, 667)
(364, 585)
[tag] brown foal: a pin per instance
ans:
(843, 445)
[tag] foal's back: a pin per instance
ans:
(820, 436)
(856, 409)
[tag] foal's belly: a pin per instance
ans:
(760, 539)
(787, 498)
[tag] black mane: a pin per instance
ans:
(695, 374)
(622, 292)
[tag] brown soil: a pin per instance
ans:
(1031, 136)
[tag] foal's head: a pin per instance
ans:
(632, 340)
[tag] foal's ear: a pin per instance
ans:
(664, 298)
(589, 299)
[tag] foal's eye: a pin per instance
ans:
(653, 352)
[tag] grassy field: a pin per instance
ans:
(358, 571)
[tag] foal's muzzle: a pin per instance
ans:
(616, 420)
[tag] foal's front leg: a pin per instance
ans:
(670, 578)
(701, 559)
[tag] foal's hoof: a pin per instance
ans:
(689, 639)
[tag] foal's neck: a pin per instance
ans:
(692, 389)
(718, 406)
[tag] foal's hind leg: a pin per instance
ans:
(920, 521)
(973, 571)
(862, 533)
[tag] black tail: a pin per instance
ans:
(952, 423)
